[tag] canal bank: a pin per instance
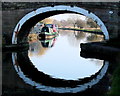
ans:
(95, 31)
(105, 50)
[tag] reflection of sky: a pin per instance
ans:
(64, 61)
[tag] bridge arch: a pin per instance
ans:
(29, 20)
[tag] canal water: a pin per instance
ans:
(55, 66)
(60, 56)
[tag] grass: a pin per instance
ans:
(91, 29)
(97, 30)
(115, 87)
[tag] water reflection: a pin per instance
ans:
(55, 65)
(94, 38)
(48, 43)
(63, 60)
(31, 81)
(44, 82)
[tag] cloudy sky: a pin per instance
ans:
(66, 16)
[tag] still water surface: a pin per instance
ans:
(60, 57)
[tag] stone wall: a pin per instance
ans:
(34, 5)
(9, 21)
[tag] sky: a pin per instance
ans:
(66, 16)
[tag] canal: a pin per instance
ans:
(60, 56)
(55, 66)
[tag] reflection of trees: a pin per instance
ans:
(64, 32)
(79, 35)
(32, 38)
(97, 62)
(76, 37)
(94, 37)
(37, 49)
(76, 34)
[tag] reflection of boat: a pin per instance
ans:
(48, 42)
(47, 33)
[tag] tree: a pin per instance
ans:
(76, 21)
(64, 23)
(80, 23)
(47, 21)
(91, 23)
(72, 21)
(57, 22)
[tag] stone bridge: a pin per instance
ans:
(21, 16)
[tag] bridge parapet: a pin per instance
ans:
(86, 5)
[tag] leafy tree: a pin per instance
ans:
(57, 22)
(80, 23)
(91, 23)
(47, 21)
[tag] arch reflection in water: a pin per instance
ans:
(81, 85)
(45, 81)
(63, 59)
